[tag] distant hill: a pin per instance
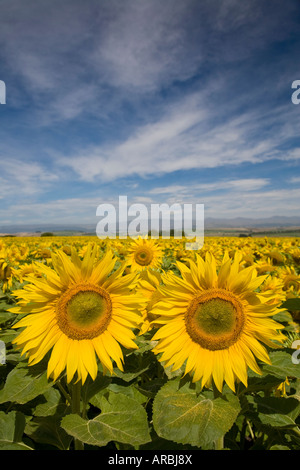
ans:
(38, 229)
(276, 222)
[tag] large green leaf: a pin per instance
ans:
(24, 384)
(12, 426)
(180, 415)
(122, 419)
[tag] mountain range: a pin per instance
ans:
(279, 222)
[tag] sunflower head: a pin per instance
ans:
(214, 321)
(144, 254)
(84, 311)
(81, 309)
(25, 269)
(6, 271)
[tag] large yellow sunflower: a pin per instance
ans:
(80, 310)
(144, 253)
(215, 321)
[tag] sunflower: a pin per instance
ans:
(144, 253)
(291, 280)
(148, 286)
(25, 269)
(79, 310)
(215, 321)
(6, 271)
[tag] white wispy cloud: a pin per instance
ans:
(143, 45)
(257, 204)
(187, 136)
(295, 180)
(252, 204)
(247, 184)
(24, 178)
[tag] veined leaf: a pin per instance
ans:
(122, 420)
(12, 426)
(180, 415)
(22, 385)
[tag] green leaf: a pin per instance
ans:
(8, 335)
(291, 304)
(129, 376)
(5, 316)
(24, 384)
(275, 412)
(12, 426)
(180, 415)
(47, 430)
(93, 387)
(122, 420)
(266, 383)
(282, 365)
(51, 404)
(130, 391)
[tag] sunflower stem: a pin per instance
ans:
(76, 402)
(250, 430)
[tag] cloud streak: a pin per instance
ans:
(188, 137)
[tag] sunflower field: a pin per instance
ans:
(141, 345)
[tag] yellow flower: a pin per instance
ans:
(143, 254)
(264, 266)
(276, 257)
(25, 269)
(148, 286)
(291, 280)
(280, 390)
(273, 285)
(215, 321)
(79, 310)
(6, 271)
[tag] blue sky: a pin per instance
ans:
(174, 101)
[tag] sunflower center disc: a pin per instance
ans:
(84, 311)
(215, 316)
(143, 257)
(215, 319)
(85, 308)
